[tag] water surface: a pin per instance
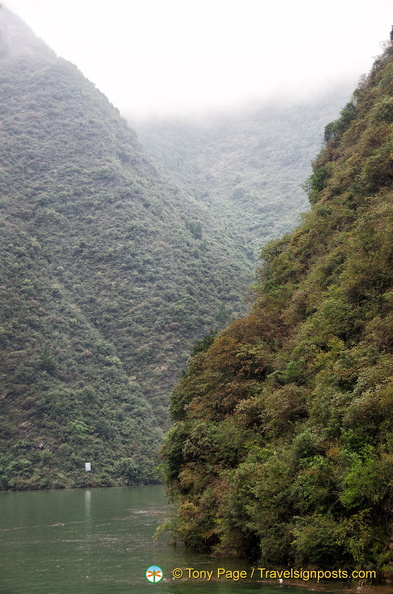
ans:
(99, 541)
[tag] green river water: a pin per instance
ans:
(99, 541)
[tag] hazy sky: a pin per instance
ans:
(177, 56)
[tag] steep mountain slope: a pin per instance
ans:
(282, 445)
(109, 274)
(247, 166)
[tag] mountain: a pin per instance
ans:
(109, 273)
(282, 444)
(246, 166)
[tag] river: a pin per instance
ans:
(99, 541)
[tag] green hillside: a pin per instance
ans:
(246, 166)
(282, 444)
(108, 275)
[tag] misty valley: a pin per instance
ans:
(205, 303)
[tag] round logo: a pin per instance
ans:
(154, 574)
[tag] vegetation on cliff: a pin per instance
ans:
(108, 274)
(282, 443)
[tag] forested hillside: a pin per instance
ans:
(108, 275)
(247, 166)
(282, 444)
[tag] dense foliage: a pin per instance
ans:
(282, 443)
(108, 274)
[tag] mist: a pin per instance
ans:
(177, 57)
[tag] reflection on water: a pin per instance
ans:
(87, 504)
(99, 541)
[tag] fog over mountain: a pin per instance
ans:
(153, 58)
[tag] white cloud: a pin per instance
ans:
(182, 55)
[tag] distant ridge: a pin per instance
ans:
(247, 166)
